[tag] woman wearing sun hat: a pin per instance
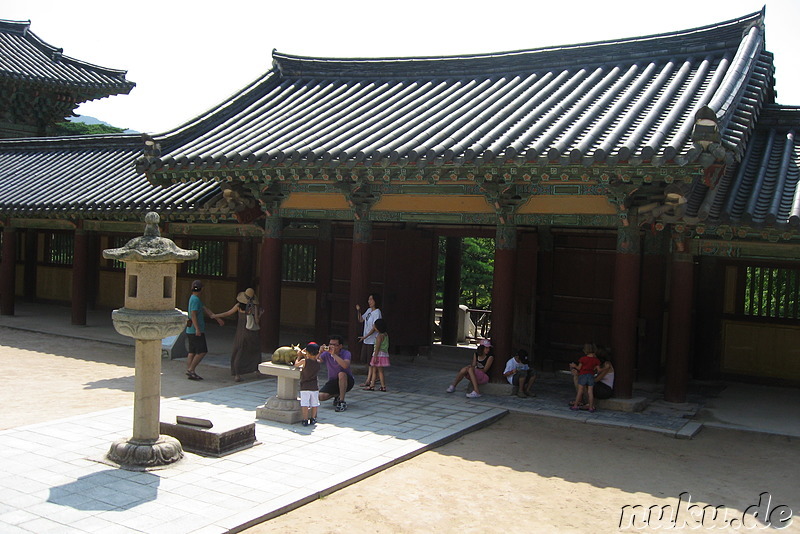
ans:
(476, 371)
(246, 354)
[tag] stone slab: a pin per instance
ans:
(634, 404)
(225, 437)
(689, 430)
(281, 415)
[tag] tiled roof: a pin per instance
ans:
(690, 96)
(763, 189)
(91, 176)
(25, 57)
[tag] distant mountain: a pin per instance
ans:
(86, 119)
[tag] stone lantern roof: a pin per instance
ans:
(150, 247)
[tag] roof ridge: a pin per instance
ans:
(694, 40)
(69, 141)
(16, 26)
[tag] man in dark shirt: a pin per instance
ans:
(340, 377)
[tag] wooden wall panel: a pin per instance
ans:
(575, 295)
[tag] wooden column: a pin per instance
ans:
(80, 259)
(679, 326)
(625, 309)
(244, 264)
(655, 261)
(544, 299)
(503, 296)
(322, 318)
(452, 291)
(8, 269)
(31, 262)
(270, 283)
(359, 281)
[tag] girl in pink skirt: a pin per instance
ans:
(380, 357)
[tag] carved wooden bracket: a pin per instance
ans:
(504, 197)
(360, 195)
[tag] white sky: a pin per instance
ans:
(187, 56)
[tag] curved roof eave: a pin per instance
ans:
(487, 113)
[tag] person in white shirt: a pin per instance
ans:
(372, 314)
(520, 375)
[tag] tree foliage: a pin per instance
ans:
(477, 271)
(79, 128)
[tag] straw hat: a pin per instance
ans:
(247, 296)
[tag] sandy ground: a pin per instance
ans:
(522, 474)
(47, 377)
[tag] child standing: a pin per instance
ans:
(586, 368)
(380, 356)
(309, 387)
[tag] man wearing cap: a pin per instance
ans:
(195, 331)
(340, 377)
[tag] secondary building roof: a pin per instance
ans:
(24, 57)
(88, 177)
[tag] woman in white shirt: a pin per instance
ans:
(372, 314)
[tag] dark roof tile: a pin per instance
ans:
(74, 175)
(624, 101)
(763, 189)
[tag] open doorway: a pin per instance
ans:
(464, 281)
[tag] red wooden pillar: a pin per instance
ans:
(80, 261)
(324, 262)
(625, 309)
(244, 263)
(655, 262)
(359, 281)
(680, 326)
(31, 262)
(452, 291)
(505, 255)
(269, 290)
(8, 269)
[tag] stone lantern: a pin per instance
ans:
(149, 315)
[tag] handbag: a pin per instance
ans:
(252, 322)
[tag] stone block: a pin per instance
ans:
(634, 404)
(174, 347)
(282, 414)
(224, 437)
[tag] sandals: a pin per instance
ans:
(383, 388)
(368, 388)
(364, 385)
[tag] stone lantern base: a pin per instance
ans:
(145, 454)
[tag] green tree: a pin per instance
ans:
(78, 128)
(477, 271)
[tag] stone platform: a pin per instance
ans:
(224, 437)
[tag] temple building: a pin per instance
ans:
(40, 86)
(641, 193)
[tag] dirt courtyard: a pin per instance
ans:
(522, 474)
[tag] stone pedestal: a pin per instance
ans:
(285, 406)
(147, 448)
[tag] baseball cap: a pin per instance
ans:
(197, 285)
